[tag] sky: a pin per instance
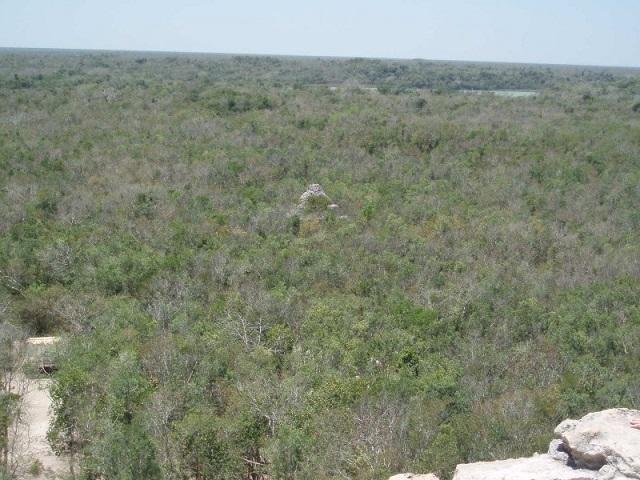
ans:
(582, 32)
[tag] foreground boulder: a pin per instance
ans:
(599, 446)
(539, 467)
(603, 438)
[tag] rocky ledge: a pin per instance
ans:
(599, 446)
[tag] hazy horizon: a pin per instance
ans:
(286, 55)
(586, 33)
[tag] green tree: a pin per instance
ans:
(207, 452)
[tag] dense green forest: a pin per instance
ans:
(477, 283)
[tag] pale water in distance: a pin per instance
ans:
(504, 93)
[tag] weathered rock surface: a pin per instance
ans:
(314, 198)
(603, 438)
(539, 467)
(557, 452)
(414, 476)
(599, 446)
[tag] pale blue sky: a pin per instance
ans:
(594, 32)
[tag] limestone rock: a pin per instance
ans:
(539, 467)
(599, 446)
(557, 452)
(414, 476)
(603, 439)
(314, 197)
(565, 426)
